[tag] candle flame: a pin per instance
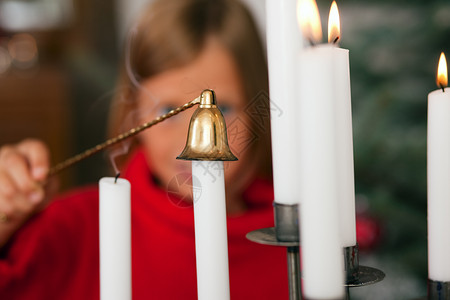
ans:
(441, 78)
(309, 20)
(334, 24)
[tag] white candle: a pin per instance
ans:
(320, 225)
(211, 246)
(283, 44)
(322, 255)
(115, 239)
(439, 179)
(344, 132)
(344, 151)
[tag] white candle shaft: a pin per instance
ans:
(322, 255)
(115, 239)
(439, 185)
(211, 244)
(284, 42)
(344, 150)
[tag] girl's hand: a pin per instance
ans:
(23, 170)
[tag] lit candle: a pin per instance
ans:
(211, 246)
(283, 45)
(344, 131)
(115, 239)
(322, 254)
(439, 178)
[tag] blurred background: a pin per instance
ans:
(58, 62)
(58, 67)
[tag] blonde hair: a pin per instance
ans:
(171, 33)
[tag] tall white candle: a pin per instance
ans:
(320, 225)
(344, 132)
(439, 179)
(211, 246)
(283, 44)
(115, 239)
(322, 255)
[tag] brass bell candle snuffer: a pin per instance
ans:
(207, 135)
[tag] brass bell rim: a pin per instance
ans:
(208, 158)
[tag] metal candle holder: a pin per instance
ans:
(357, 275)
(286, 234)
(438, 290)
(286, 221)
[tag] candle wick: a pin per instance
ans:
(311, 42)
(442, 87)
(117, 176)
(336, 40)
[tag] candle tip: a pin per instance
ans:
(117, 177)
(336, 40)
(311, 42)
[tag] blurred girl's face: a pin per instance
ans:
(214, 68)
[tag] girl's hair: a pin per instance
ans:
(171, 33)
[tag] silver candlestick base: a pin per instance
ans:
(286, 222)
(438, 290)
(286, 234)
(357, 275)
(362, 276)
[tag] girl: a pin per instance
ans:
(179, 48)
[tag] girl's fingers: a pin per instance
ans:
(37, 155)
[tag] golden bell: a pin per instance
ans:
(207, 135)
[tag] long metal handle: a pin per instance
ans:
(132, 132)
